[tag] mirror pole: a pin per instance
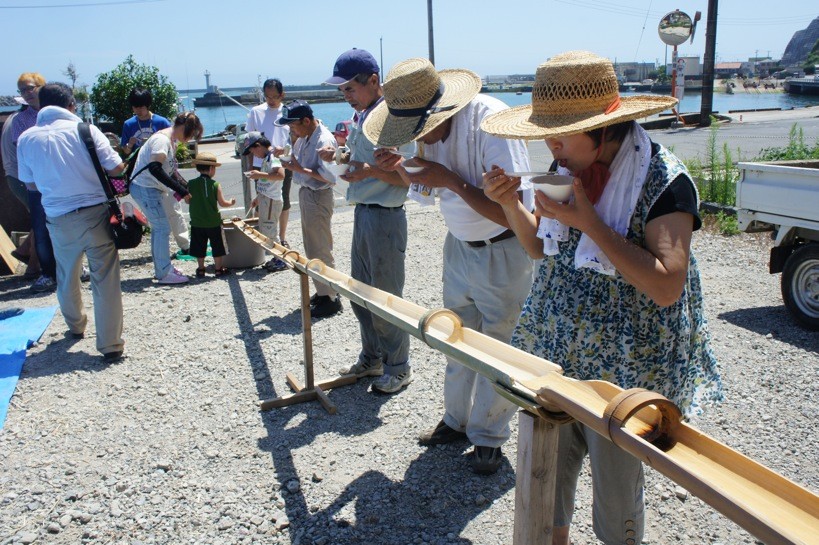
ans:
(707, 103)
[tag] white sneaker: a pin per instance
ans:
(173, 277)
(85, 275)
(389, 384)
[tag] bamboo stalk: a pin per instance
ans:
(766, 504)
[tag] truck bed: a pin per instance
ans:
(781, 189)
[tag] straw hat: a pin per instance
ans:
(417, 98)
(574, 92)
(206, 158)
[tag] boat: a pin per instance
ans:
(214, 97)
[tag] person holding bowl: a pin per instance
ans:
(617, 296)
(156, 169)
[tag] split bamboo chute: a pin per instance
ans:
(643, 423)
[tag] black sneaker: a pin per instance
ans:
(326, 306)
(441, 435)
(486, 460)
(112, 357)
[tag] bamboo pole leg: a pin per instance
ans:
(535, 484)
(307, 331)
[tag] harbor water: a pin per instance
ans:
(216, 118)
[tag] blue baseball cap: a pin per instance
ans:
(350, 64)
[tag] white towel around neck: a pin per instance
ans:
(615, 207)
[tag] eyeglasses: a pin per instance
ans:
(27, 89)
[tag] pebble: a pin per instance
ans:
(170, 446)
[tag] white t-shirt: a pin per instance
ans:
(261, 118)
(53, 157)
(156, 144)
(272, 189)
(470, 152)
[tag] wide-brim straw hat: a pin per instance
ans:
(574, 92)
(418, 98)
(206, 158)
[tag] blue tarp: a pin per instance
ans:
(17, 333)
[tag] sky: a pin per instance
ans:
(240, 41)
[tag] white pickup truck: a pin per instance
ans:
(783, 197)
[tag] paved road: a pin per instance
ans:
(749, 132)
(755, 132)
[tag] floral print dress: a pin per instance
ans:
(599, 327)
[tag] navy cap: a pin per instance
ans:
(250, 140)
(294, 111)
(350, 64)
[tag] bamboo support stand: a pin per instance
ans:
(644, 424)
(310, 391)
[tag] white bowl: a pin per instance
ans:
(411, 168)
(337, 169)
(557, 187)
(285, 158)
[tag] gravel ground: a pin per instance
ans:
(168, 446)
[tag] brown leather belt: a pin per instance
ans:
(481, 243)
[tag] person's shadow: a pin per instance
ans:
(373, 508)
(764, 320)
(435, 501)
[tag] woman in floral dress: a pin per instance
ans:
(617, 296)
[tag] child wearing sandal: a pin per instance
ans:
(204, 198)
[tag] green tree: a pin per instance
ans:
(110, 94)
(812, 60)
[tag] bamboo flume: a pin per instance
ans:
(648, 426)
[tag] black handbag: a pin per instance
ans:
(126, 229)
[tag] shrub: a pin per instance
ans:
(110, 94)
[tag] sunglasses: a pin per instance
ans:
(27, 89)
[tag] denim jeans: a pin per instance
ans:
(150, 201)
(42, 240)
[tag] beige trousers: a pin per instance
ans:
(86, 231)
(316, 209)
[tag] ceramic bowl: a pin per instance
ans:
(337, 169)
(411, 168)
(557, 187)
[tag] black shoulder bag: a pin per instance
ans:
(127, 230)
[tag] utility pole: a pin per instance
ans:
(431, 38)
(707, 103)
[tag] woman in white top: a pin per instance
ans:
(157, 174)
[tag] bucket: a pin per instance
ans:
(242, 252)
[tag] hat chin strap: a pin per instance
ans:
(423, 113)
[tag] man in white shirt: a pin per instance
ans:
(262, 118)
(52, 156)
(487, 273)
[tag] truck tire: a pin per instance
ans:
(800, 285)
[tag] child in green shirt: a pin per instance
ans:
(205, 197)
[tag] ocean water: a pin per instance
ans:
(215, 119)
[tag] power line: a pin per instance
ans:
(614, 7)
(83, 5)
